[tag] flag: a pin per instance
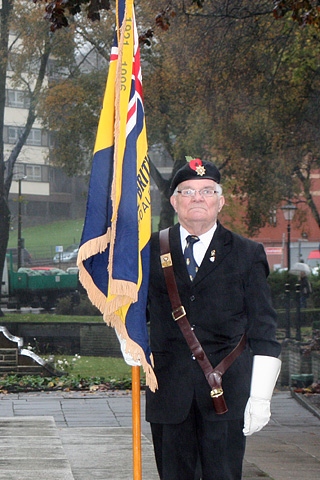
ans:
(113, 257)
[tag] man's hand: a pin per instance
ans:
(265, 372)
(126, 356)
(256, 415)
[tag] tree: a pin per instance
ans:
(6, 10)
(252, 94)
(248, 102)
(304, 13)
(78, 96)
(28, 52)
(277, 125)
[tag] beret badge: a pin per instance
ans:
(196, 165)
(193, 169)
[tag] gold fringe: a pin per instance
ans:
(108, 308)
(125, 288)
(135, 351)
(88, 249)
(96, 297)
(94, 246)
(116, 303)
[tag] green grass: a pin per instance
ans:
(41, 240)
(50, 317)
(86, 373)
(107, 367)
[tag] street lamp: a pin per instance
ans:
(288, 319)
(298, 312)
(288, 212)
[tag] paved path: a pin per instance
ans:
(31, 449)
(91, 436)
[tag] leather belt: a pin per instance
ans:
(213, 375)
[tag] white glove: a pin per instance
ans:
(265, 372)
(126, 356)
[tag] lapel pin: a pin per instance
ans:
(212, 255)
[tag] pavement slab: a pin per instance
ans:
(105, 453)
(31, 449)
(90, 436)
(289, 446)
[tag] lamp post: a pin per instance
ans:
(288, 212)
(298, 313)
(288, 322)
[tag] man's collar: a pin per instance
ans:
(204, 238)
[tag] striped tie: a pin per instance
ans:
(189, 258)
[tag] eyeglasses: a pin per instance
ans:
(204, 192)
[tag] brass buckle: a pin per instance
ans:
(176, 311)
(166, 260)
(216, 392)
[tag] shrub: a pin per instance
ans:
(315, 296)
(33, 383)
(277, 282)
(76, 306)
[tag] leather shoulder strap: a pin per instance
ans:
(213, 375)
(179, 315)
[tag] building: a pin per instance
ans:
(303, 231)
(47, 194)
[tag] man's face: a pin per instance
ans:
(197, 210)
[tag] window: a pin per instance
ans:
(18, 171)
(13, 134)
(33, 173)
(273, 217)
(15, 98)
(34, 137)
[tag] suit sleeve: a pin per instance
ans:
(261, 315)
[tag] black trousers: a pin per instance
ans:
(197, 449)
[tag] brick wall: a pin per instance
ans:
(99, 341)
(92, 339)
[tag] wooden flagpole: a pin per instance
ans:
(136, 423)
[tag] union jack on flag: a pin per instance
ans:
(113, 257)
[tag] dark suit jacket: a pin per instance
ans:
(228, 297)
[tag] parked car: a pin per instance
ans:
(26, 258)
(73, 270)
(68, 255)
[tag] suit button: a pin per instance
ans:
(192, 298)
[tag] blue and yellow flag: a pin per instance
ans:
(113, 257)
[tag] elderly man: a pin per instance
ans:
(221, 281)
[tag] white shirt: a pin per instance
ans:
(199, 248)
